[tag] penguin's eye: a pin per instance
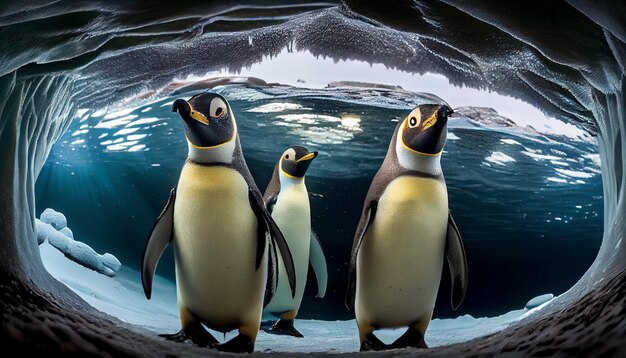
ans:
(289, 154)
(414, 118)
(217, 108)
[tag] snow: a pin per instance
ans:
(54, 218)
(122, 296)
(539, 300)
(53, 227)
(67, 232)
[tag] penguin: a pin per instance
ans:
(287, 199)
(404, 233)
(224, 238)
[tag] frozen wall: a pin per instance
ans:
(566, 59)
(35, 112)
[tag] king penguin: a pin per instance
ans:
(404, 233)
(221, 232)
(287, 199)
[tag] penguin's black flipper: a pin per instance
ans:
(262, 229)
(264, 218)
(318, 263)
(160, 236)
(369, 213)
(457, 261)
(271, 192)
(270, 202)
(272, 274)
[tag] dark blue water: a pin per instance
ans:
(529, 207)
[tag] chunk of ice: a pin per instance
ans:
(67, 232)
(539, 300)
(54, 218)
(111, 262)
(79, 252)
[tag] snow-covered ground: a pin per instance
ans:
(122, 296)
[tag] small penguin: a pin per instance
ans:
(404, 234)
(219, 226)
(287, 199)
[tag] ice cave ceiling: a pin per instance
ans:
(566, 58)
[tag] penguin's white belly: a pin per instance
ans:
(401, 258)
(215, 248)
(292, 214)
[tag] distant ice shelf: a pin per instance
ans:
(122, 296)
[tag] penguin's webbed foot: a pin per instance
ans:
(372, 343)
(283, 327)
(239, 344)
(194, 332)
(412, 338)
(179, 336)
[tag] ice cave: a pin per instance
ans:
(534, 161)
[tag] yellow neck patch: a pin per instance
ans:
(211, 146)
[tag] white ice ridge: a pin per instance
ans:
(122, 296)
(53, 227)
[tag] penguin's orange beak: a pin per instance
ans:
(309, 156)
(185, 108)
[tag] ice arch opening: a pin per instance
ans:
(572, 72)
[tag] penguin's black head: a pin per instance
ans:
(207, 120)
(295, 161)
(424, 130)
